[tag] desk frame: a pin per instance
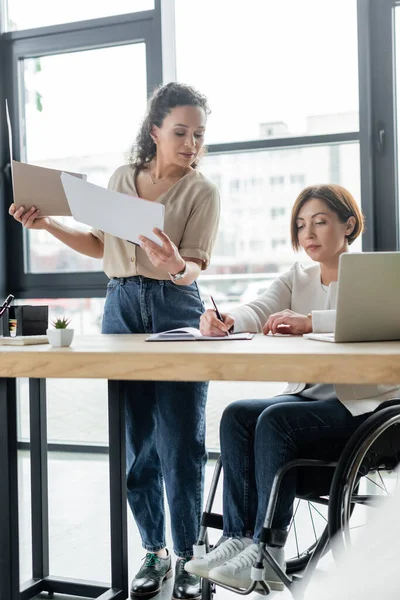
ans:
(9, 532)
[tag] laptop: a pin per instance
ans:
(368, 299)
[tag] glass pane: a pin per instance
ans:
(82, 112)
(289, 68)
(28, 14)
(76, 408)
(257, 191)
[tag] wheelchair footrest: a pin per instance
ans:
(273, 537)
(213, 520)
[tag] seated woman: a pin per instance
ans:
(259, 436)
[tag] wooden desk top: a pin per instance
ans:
(265, 358)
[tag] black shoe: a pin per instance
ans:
(187, 585)
(154, 570)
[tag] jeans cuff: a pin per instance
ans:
(154, 548)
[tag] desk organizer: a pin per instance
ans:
(31, 320)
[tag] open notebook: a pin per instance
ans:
(191, 334)
(23, 340)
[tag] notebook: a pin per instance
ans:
(23, 340)
(191, 334)
(368, 299)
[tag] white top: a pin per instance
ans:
(301, 290)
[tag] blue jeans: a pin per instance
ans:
(258, 437)
(165, 421)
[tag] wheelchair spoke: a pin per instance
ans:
(319, 512)
(294, 515)
(312, 521)
(375, 483)
(295, 535)
(383, 483)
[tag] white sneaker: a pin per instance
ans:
(223, 552)
(237, 571)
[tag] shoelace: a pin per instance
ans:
(225, 550)
(151, 560)
(246, 558)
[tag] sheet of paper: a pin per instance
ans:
(119, 214)
(37, 186)
(189, 334)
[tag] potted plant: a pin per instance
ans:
(60, 335)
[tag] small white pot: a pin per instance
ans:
(60, 337)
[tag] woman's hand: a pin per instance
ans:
(287, 321)
(164, 257)
(211, 325)
(30, 218)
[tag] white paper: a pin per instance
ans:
(121, 215)
(190, 334)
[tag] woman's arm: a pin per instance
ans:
(80, 241)
(193, 270)
(253, 316)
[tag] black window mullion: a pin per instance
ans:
(379, 138)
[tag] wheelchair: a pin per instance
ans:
(341, 488)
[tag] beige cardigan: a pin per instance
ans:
(300, 290)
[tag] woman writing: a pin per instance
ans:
(259, 436)
(151, 289)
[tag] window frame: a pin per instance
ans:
(379, 187)
(379, 177)
(16, 46)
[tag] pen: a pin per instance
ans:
(6, 304)
(219, 316)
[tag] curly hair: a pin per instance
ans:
(162, 101)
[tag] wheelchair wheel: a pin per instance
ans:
(308, 525)
(364, 476)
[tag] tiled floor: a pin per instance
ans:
(79, 522)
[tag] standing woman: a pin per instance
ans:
(153, 288)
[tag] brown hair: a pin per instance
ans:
(160, 104)
(338, 199)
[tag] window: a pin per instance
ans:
(27, 14)
(278, 243)
(278, 212)
(297, 180)
(277, 181)
(254, 218)
(76, 411)
(274, 84)
(81, 114)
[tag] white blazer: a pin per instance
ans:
(301, 290)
